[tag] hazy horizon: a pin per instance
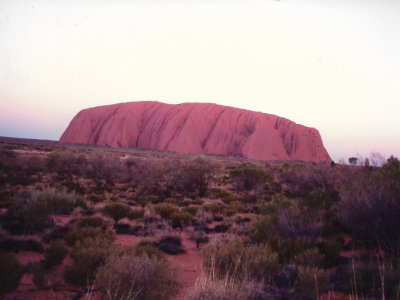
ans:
(330, 65)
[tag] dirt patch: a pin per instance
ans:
(127, 240)
(189, 265)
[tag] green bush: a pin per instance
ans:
(55, 254)
(165, 210)
(137, 277)
(91, 221)
(313, 280)
(260, 262)
(263, 229)
(147, 199)
(96, 198)
(76, 234)
(11, 272)
(288, 248)
(311, 257)
(247, 177)
(40, 278)
(146, 247)
(171, 244)
(171, 201)
(369, 207)
(59, 203)
(181, 219)
(136, 213)
(116, 211)
(191, 209)
(213, 207)
(210, 288)
(29, 216)
(233, 208)
(231, 258)
(88, 255)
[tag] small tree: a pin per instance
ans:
(353, 160)
(247, 177)
(197, 175)
(69, 167)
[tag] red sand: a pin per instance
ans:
(189, 264)
(196, 128)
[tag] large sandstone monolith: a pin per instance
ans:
(196, 128)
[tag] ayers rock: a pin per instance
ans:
(196, 128)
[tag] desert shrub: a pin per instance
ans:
(296, 222)
(197, 174)
(260, 262)
(171, 244)
(143, 200)
(299, 179)
(96, 198)
(331, 248)
(11, 272)
(288, 248)
(247, 177)
(69, 167)
(232, 258)
(233, 208)
(16, 245)
(104, 170)
(76, 234)
(88, 255)
(123, 228)
(149, 176)
(136, 213)
(171, 201)
(217, 193)
(59, 203)
(187, 202)
(249, 198)
(146, 247)
(311, 257)
(192, 209)
(116, 211)
(318, 198)
(369, 207)
(199, 237)
(6, 199)
(213, 207)
(287, 276)
(55, 254)
(165, 210)
(128, 276)
(374, 277)
(32, 210)
(263, 229)
(40, 278)
(30, 215)
(80, 202)
(91, 221)
(313, 280)
(210, 288)
(180, 219)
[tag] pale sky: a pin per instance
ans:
(329, 64)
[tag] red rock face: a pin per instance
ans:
(196, 128)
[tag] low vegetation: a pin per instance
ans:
(277, 230)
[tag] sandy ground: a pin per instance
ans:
(189, 265)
